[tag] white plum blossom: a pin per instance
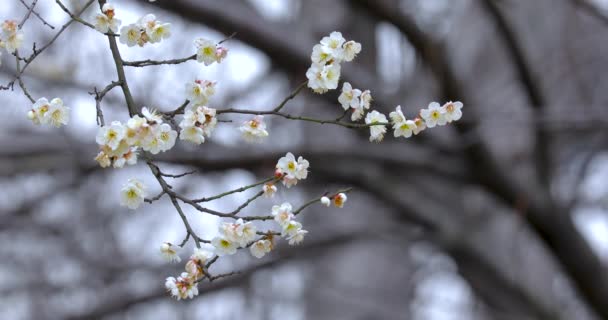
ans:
(11, 38)
(401, 126)
(434, 115)
(260, 248)
(321, 54)
(254, 130)
(197, 260)
(376, 131)
(291, 228)
(192, 134)
(202, 118)
(420, 125)
(269, 190)
(132, 194)
(339, 200)
(349, 98)
(54, 113)
(325, 201)
(322, 78)
(334, 43)
(151, 115)
(106, 22)
(297, 237)
(199, 91)
(359, 110)
(208, 52)
(130, 35)
(239, 232)
(351, 50)
(169, 252)
(282, 214)
(160, 32)
(111, 135)
(184, 287)
(223, 246)
(291, 169)
(453, 111)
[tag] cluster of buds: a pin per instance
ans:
(45, 112)
(146, 30)
(324, 72)
(106, 21)
(208, 52)
(120, 142)
(291, 171)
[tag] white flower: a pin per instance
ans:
(322, 78)
(376, 131)
(57, 115)
(282, 214)
(104, 24)
(166, 136)
(197, 260)
(401, 126)
(169, 252)
(151, 115)
(238, 232)
(207, 118)
(220, 53)
(325, 201)
(111, 135)
(420, 125)
(291, 228)
(193, 134)
(351, 49)
(130, 35)
(254, 130)
(297, 237)
(205, 51)
(349, 98)
(453, 111)
(132, 194)
(433, 115)
(11, 37)
(334, 44)
(199, 91)
(159, 32)
(291, 169)
(321, 54)
(269, 190)
(183, 287)
(364, 103)
(223, 246)
(129, 157)
(147, 23)
(260, 248)
(339, 200)
(103, 159)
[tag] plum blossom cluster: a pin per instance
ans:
(186, 285)
(233, 236)
(11, 37)
(106, 21)
(53, 113)
(356, 100)
(146, 30)
(324, 72)
(208, 52)
(198, 123)
(434, 115)
(198, 92)
(291, 229)
(132, 194)
(119, 143)
(290, 170)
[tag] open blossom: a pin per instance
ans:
(147, 29)
(321, 54)
(184, 287)
(365, 100)
(106, 21)
(349, 98)
(376, 131)
(351, 50)
(325, 201)
(193, 134)
(297, 237)
(111, 135)
(291, 169)
(260, 248)
(293, 232)
(433, 115)
(208, 52)
(339, 200)
(420, 125)
(254, 130)
(223, 246)
(322, 78)
(54, 112)
(163, 139)
(401, 126)
(239, 232)
(453, 111)
(132, 194)
(130, 35)
(199, 91)
(282, 214)
(11, 38)
(269, 190)
(169, 252)
(197, 124)
(334, 43)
